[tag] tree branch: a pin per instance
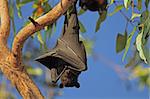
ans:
(21, 80)
(5, 21)
(43, 21)
(10, 61)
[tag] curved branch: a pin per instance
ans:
(5, 21)
(10, 61)
(20, 79)
(43, 21)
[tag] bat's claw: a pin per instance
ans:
(61, 86)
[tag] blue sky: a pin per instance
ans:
(100, 81)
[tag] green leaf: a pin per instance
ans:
(82, 28)
(47, 7)
(139, 46)
(88, 46)
(101, 18)
(118, 8)
(40, 39)
(111, 2)
(81, 12)
(19, 4)
(35, 71)
(121, 42)
(144, 16)
(48, 30)
(128, 43)
(135, 15)
(139, 6)
(126, 3)
(18, 8)
(133, 61)
(147, 54)
(23, 2)
(147, 3)
(140, 71)
(145, 21)
(11, 11)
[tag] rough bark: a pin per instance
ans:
(10, 59)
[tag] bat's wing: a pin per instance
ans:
(63, 55)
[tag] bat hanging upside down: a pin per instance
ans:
(67, 59)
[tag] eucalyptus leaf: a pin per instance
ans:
(126, 3)
(128, 43)
(118, 8)
(112, 1)
(139, 6)
(139, 46)
(81, 11)
(82, 28)
(18, 8)
(135, 15)
(40, 39)
(101, 18)
(35, 71)
(147, 3)
(121, 42)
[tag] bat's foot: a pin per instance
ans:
(77, 85)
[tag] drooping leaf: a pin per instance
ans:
(101, 19)
(11, 11)
(139, 6)
(23, 2)
(128, 43)
(135, 15)
(48, 30)
(47, 7)
(126, 3)
(139, 46)
(40, 39)
(147, 54)
(18, 8)
(35, 71)
(111, 2)
(121, 42)
(39, 11)
(133, 61)
(140, 71)
(35, 5)
(82, 28)
(118, 8)
(88, 46)
(81, 11)
(145, 21)
(144, 16)
(147, 3)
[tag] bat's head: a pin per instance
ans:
(93, 5)
(70, 79)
